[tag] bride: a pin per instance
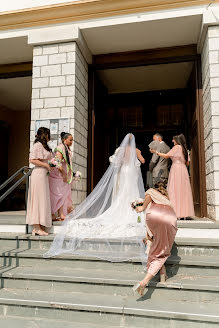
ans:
(105, 217)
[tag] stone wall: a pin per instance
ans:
(210, 80)
(60, 90)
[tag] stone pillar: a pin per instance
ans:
(210, 81)
(60, 90)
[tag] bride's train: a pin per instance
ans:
(104, 225)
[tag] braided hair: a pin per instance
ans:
(42, 136)
(64, 136)
(161, 186)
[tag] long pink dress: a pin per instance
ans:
(60, 191)
(179, 188)
(38, 207)
(162, 222)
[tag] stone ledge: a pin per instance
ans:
(108, 277)
(111, 305)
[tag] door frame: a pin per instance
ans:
(159, 56)
(201, 144)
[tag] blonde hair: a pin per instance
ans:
(161, 187)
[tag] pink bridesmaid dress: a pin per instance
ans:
(60, 191)
(162, 222)
(179, 188)
(38, 207)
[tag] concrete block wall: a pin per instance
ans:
(210, 84)
(60, 90)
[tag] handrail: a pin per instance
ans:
(25, 176)
(21, 170)
(27, 172)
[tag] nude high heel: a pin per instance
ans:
(39, 233)
(137, 288)
(163, 277)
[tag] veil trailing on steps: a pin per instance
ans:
(104, 225)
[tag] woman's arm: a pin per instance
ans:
(139, 155)
(38, 162)
(159, 154)
(60, 156)
(147, 200)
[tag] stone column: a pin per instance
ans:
(60, 90)
(210, 80)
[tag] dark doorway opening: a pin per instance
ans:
(4, 133)
(169, 111)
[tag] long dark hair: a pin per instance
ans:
(41, 136)
(64, 136)
(181, 140)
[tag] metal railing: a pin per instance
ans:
(26, 171)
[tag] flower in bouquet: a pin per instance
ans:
(136, 203)
(77, 175)
(55, 162)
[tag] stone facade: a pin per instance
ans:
(210, 77)
(60, 90)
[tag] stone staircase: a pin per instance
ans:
(83, 291)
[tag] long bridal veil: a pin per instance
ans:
(104, 225)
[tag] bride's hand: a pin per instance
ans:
(139, 209)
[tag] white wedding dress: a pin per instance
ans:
(106, 214)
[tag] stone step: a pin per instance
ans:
(12, 322)
(16, 222)
(19, 218)
(198, 224)
(191, 265)
(108, 309)
(182, 246)
(111, 282)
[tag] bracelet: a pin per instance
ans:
(157, 152)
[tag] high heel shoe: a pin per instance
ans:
(137, 288)
(163, 277)
(39, 233)
(58, 219)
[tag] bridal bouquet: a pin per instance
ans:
(55, 162)
(77, 175)
(135, 204)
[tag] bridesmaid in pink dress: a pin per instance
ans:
(179, 188)
(161, 220)
(38, 207)
(60, 180)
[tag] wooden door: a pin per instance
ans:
(197, 167)
(200, 133)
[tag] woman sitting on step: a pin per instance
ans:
(161, 220)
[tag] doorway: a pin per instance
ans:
(4, 132)
(15, 134)
(153, 105)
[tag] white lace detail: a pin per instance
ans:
(106, 213)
